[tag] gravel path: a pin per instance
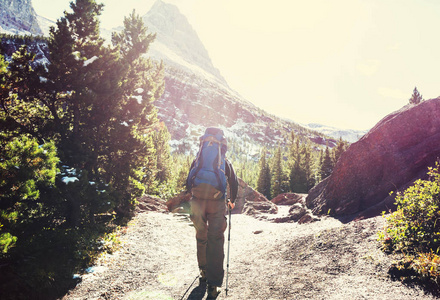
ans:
(321, 260)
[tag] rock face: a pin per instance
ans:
(191, 103)
(18, 16)
(176, 40)
(390, 157)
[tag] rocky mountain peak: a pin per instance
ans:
(177, 42)
(168, 19)
(18, 17)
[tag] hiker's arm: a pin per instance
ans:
(232, 180)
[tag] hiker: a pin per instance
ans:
(207, 181)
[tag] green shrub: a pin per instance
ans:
(414, 228)
(26, 170)
(427, 265)
(6, 241)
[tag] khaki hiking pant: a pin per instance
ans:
(209, 220)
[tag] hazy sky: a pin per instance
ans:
(344, 63)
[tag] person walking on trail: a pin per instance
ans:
(207, 181)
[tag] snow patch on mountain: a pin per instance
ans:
(349, 135)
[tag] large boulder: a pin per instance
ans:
(150, 203)
(298, 213)
(179, 203)
(251, 202)
(288, 199)
(390, 157)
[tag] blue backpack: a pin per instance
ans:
(207, 178)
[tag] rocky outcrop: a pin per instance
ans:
(18, 17)
(390, 157)
(191, 103)
(299, 213)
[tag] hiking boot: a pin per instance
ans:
(213, 292)
(202, 278)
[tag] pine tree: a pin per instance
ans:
(26, 169)
(163, 161)
(277, 173)
(319, 163)
(182, 164)
(416, 98)
(298, 175)
(327, 164)
(163, 154)
(340, 148)
(85, 90)
(295, 176)
(293, 156)
(263, 184)
(22, 111)
(309, 177)
(142, 83)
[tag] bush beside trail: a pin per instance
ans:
(414, 231)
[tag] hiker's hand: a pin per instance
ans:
(231, 205)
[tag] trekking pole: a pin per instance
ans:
(229, 243)
(190, 287)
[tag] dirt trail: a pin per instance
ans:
(321, 260)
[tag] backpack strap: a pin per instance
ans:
(212, 139)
